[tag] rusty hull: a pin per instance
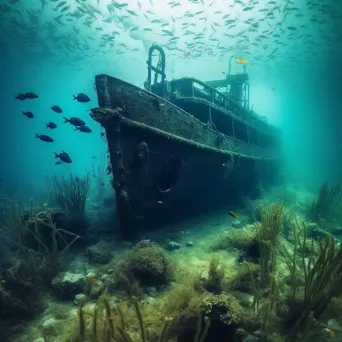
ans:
(167, 164)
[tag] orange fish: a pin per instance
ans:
(186, 53)
(241, 61)
(232, 214)
(92, 280)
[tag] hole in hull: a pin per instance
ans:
(170, 174)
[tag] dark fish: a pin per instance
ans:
(102, 134)
(81, 97)
(43, 137)
(31, 95)
(29, 115)
(64, 157)
(21, 97)
(57, 109)
(74, 121)
(94, 157)
(232, 214)
(51, 125)
(58, 163)
(83, 129)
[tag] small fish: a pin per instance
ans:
(31, 95)
(102, 134)
(273, 89)
(20, 97)
(83, 129)
(64, 157)
(160, 202)
(241, 61)
(92, 280)
(330, 333)
(186, 53)
(81, 98)
(44, 204)
(57, 109)
(74, 121)
(43, 137)
(232, 214)
(58, 163)
(94, 157)
(51, 125)
(29, 115)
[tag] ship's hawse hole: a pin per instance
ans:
(170, 174)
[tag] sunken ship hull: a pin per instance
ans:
(168, 164)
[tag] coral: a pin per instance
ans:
(148, 264)
(20, 292)
(36, 260)
(67, 285)
(100, 253)
(245, 240)
(224, 313)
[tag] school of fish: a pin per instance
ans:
(282, 32)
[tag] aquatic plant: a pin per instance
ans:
(326, 203)
(39, 247)
(100, 177)
(108, 325)
(58, 244)
(321, 274)
(267, 232)
(71, 194)
(215, 277)
(13, 227)
(252, 208)
(283, 194)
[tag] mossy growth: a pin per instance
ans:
(146, 265)
(241, 279)
(126, 322)
(216, 273)
(245, 240)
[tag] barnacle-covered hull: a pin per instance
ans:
(166, 164)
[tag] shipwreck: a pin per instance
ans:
(183, 146)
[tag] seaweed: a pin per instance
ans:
(109, 325)
(322, 274)
(324, 206)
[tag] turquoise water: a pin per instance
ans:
(292, 52)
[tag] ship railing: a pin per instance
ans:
(254, 151)
(191, 87)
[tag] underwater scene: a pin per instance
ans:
(170, 170)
